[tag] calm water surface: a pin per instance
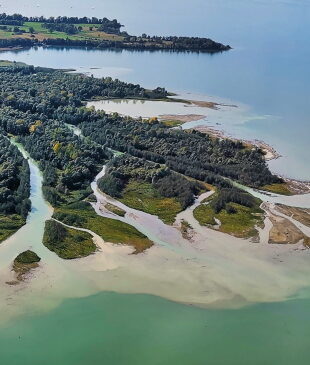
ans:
(267, 71)
(111, 328)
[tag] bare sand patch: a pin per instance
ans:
(283, 231)
(302, 215)
(181, 118)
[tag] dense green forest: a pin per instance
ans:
(36, 105)
(19, 31)
(14, 180)
(189, 152)
(14, 189)
(166, 182)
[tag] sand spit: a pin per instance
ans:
(302, 215)
(206, 104)
(283, 231)
(209, 104)
(181, 118)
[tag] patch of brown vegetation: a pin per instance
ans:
(186, 230)
(181, 118)
(38, 36)
(284, 231)
(205, 104)
(307, 242)
(104, 36)
(22, 270)
(301, 215)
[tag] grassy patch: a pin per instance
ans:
(88, 32)
(240, 224)
(110, 230)
(143, 196)
(278, 189)
(116, 210)
(172, 123)
(4, 63)
(9, 224)
(67, 243)
(205, 215)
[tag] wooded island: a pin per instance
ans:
(20, 31)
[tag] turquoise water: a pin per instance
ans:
(111, 328)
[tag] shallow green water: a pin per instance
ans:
(111, 328)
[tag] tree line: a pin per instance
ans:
(72, 25)
(61, 27)
(19, 20)
(14, 180)
(180, 45)
(189, 152)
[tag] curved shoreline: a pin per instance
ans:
(177, 120)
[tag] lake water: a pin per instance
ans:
(266, 73)
(267, 76)
(111, 328)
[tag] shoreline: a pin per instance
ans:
(297, 187)
(174, 120)
(270, 152)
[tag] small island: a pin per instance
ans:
(67, 243)
(24, 263)
(17, 31)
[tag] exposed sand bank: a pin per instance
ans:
(181, 118)
(299, 214)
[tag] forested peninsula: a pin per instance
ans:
(167, 167)
(14, 189)
(18, 31)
